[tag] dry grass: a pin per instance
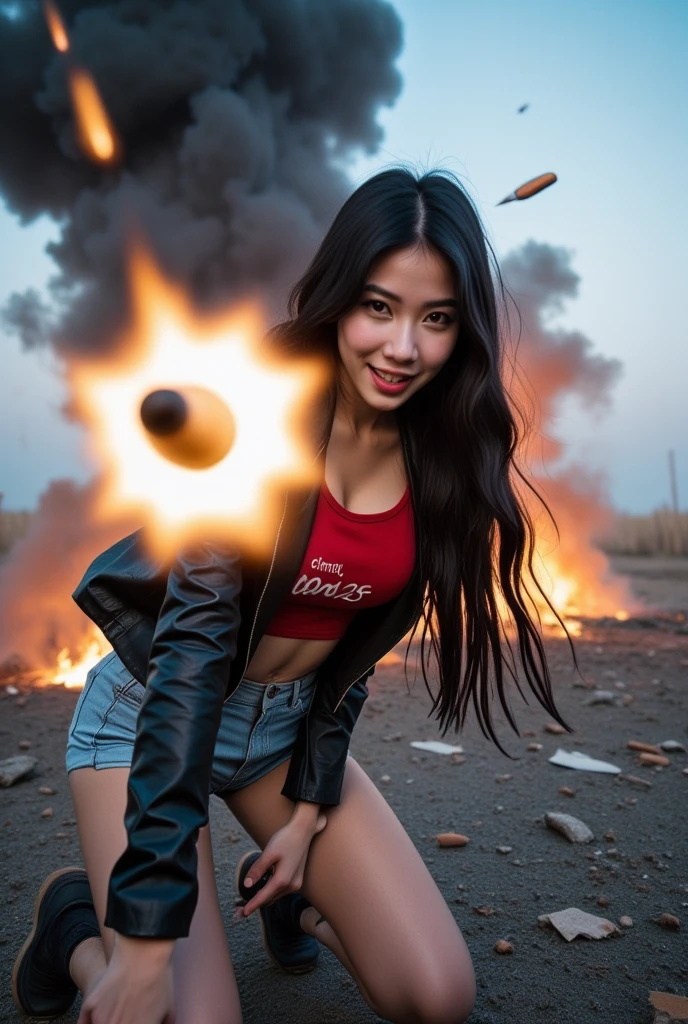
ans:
(13, 526)
(663, 532)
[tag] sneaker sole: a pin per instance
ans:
(303, 968)
(32, 934)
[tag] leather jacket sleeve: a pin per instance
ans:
(153, 887)
(318, 761)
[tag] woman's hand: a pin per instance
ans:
(136, 987)
(286, 853)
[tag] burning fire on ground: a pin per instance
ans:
(72, 673)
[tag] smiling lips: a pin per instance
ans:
(389, 383)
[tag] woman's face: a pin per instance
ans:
(402, 330)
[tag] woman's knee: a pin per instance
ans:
(434, 996)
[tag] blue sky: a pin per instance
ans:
(608, 92)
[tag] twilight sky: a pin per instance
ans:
(608, 97)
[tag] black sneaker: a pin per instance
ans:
(285, 941)
(40, 987)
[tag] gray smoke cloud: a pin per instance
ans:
(556, 362)
(237, 120)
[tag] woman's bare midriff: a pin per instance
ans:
(279, 659)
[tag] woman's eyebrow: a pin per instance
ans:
(395, 298)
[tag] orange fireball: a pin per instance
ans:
(171, 346)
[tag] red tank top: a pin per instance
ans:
(353, 561)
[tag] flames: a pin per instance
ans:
(95, 132)
(71, 671)
(170, 345)
(56, 26)
(574, 574)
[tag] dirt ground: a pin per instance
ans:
(637, 864)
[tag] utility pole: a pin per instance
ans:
(672, 481)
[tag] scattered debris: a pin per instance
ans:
(573, 922)
(635, 780)
(602, 697)
(502, 946)
(24, 744)
(610, 837)
(393, 737)
(385, 779)
(654, 759)
(12, 769)
(582, 762)
(504, 849)
(555, 728)
(576, 831)
(451, 839)
(669, 1009)
(534, 746)
(484, 911)
(566, 791)
(436, 747)
(626, 921)
(648, 748)
(673, 747)
(502, 778)
(47, 813)
(457, 758)
(11, 691)
(669, 921)
(46, 791)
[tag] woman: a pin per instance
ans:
(245, 679)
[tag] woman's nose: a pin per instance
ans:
(401, 343)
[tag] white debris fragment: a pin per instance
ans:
(575, 830)
(601, 697)
(12, 769)
(11, 691)
(436, 747)
(672, 746)
(582, 762)
(573, 922)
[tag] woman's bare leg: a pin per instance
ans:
(204, 981)
(385, 918)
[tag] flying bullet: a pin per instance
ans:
(522, 110)
(189, 426)
(530, 188)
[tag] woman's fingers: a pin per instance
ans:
(276, 887)
(260, 868)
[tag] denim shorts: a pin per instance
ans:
(257, 729)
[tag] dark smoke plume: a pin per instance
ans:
(237, 117)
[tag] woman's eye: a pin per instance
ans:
(376, 305)
(435, 318)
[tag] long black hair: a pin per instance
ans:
(476, 537)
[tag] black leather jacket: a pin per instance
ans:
(187, 633)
